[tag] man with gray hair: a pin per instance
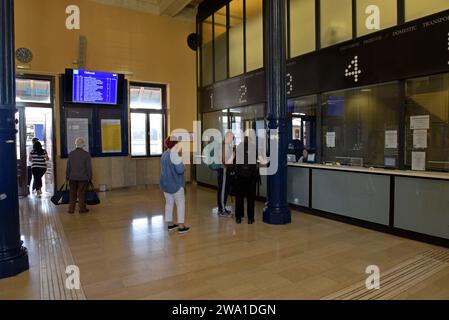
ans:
(79, 175)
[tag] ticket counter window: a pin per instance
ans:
(247, 118)
(360, 126)
(217, 120)
(427, 121)
(303, 125)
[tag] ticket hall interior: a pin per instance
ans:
(345, 102)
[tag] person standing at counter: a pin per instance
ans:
(245, 182)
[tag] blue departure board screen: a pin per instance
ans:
(94, 87)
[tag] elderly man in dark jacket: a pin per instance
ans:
(79, 174)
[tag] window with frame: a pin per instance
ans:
(360, 126)
(428, 98)
(148, 119)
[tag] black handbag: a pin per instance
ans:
(92, 198)
(62, 196)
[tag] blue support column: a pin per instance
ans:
(13, 256)
(277, 210)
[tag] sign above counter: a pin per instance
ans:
(414, 49)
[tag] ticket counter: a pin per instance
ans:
(399, 200)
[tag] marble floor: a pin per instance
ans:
(123, 251)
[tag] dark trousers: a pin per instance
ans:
(245, 188)
(224, 184)
(38, 173)
(78, 192)
(29, 176)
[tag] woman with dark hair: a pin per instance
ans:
(38, 159)
(172, 183)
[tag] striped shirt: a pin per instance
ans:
(38, 161)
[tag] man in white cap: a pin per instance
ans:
(79, 174)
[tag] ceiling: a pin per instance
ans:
(185, 9)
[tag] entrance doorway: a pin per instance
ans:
(34, 120)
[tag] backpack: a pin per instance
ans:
(246, 170)
(211, 160)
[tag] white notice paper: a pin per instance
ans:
(419, 161)
(77, 128)
(420, 139)
(420, 123)
(391, 139)
(330, 139)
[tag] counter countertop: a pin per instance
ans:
(406, 173)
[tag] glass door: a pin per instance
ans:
(22, 161)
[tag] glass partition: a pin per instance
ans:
(360, 126)
(427, 120)
(217, 120)
(245, 118)
(303, 123)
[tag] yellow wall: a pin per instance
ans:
(153, 48)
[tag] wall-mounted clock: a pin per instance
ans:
(24, 55)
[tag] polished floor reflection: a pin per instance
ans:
(124, 252)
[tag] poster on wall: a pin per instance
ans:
(77, 128)
(111, 138)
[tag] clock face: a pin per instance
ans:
(24, 55)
